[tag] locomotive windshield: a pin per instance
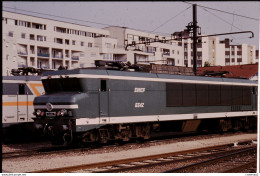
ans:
(62, 85)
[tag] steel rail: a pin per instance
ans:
(210, 161)
(241, 167)
(128, 160)
(34, 152)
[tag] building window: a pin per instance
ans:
(58, 40)
(90, 45)
(11, 22)
(67, 42)
(39, 64)
(31, 37)
(11, 34)
(108, 56)
(41, 38)
(23, 35)
(130, 37)
(89, 34)
(38, 26)
(60, 29)
(53, 65)
(73, 42)
(82, 43)
(22, 23)
(108, 45)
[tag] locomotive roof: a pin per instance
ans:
(27, 78)
(81, 71)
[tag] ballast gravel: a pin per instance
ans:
(50, 161)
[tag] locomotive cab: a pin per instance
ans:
(67, 99)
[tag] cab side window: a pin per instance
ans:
(21, 89)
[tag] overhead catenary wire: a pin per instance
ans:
(222, 19)
(57, 16)
(232, 25)
(166, 34)
(170, 19)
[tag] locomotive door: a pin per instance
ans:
(22, 108)
(103, 103)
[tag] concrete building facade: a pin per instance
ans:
(42, 43)
(169, 53)
(214, 52)
(36, 42)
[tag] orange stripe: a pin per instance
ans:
(33, 86)
(20, 103)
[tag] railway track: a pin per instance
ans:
(231, 157)
(129, 164)
(38, 151)
(63, 149)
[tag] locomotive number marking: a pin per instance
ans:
(139, 90)
(139, 105)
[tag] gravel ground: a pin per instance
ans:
(48, 161)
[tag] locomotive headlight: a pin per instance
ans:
(65, 127)
(38, 112)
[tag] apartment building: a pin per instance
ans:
(43, 43)
(239, 54)
(168, 52)
(213, 51)
(29, 41)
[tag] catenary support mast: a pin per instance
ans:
(195, 38)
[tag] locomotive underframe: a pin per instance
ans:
(64, 131)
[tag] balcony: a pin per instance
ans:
(21, 65)
(75, 57)
(22, 53)
(150, 51)
(166, 53)
(43, 54)
(57, 57)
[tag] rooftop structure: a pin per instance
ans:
(249, 71)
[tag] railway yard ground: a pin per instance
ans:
(109, 153)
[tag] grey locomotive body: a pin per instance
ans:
(99, 105)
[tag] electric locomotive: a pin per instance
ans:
(18, 93)
(90, 105)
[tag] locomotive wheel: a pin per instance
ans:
(104, 135)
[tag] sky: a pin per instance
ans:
(161, 17)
